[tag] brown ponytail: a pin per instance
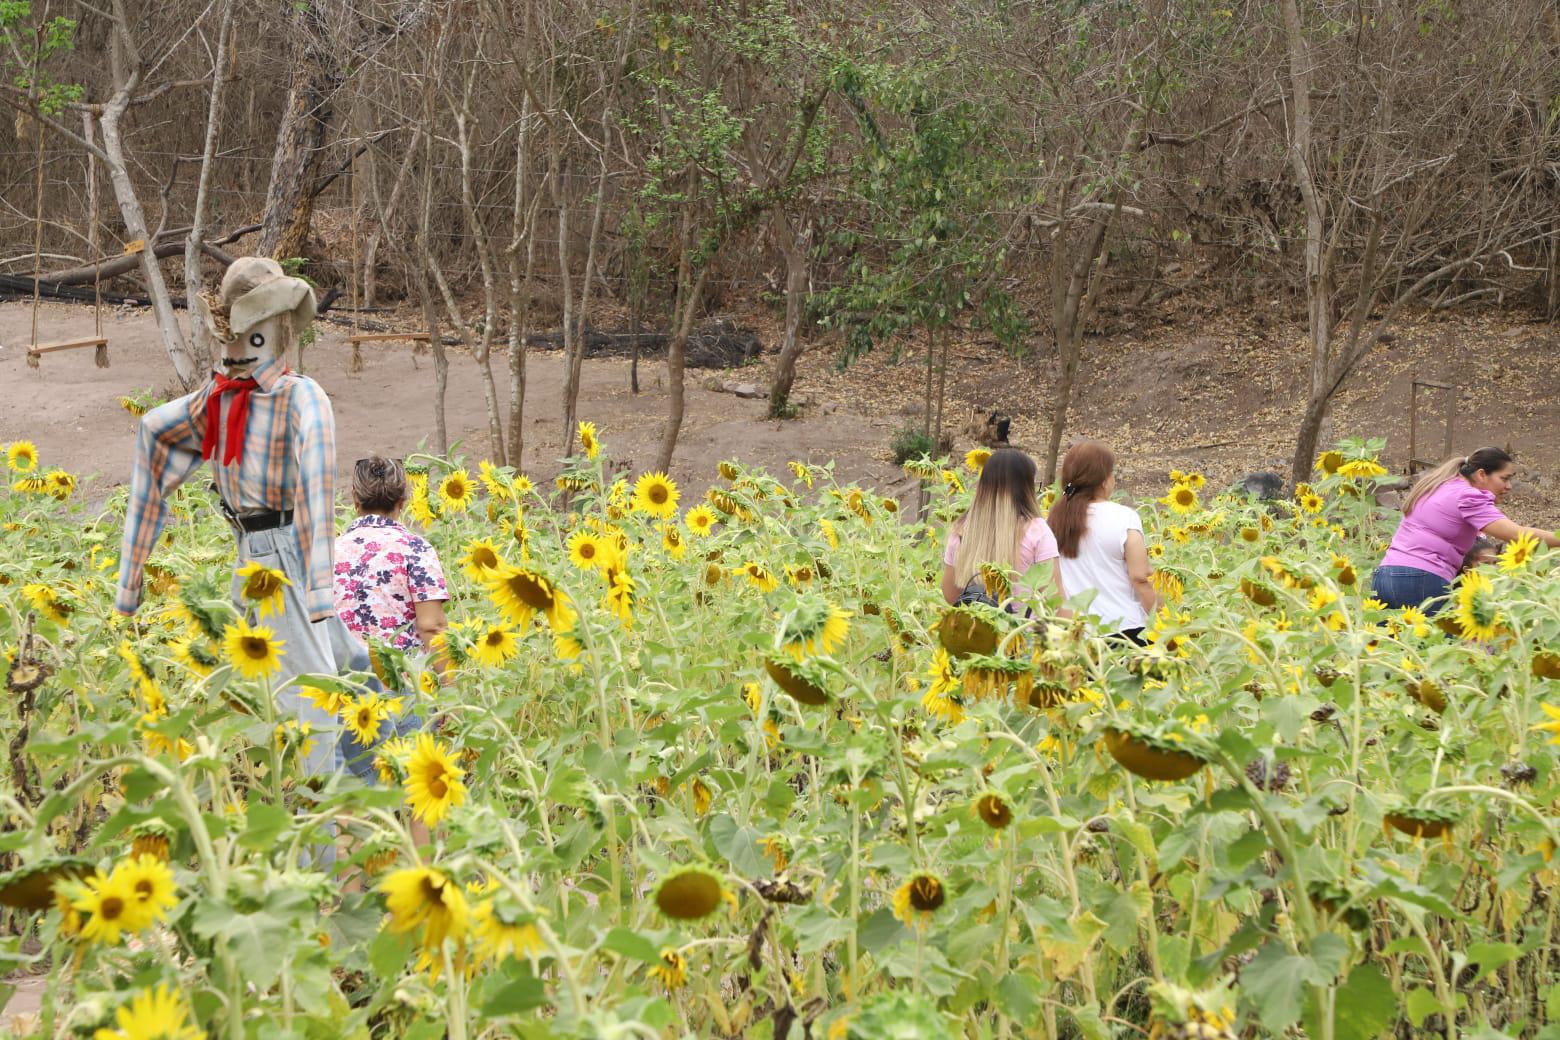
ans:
(1085, 468)
(1491, 460)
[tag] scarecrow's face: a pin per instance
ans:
(249, 349)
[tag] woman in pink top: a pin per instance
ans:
(1003, 526)
(1447, 510)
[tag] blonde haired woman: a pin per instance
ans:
(1003, 527)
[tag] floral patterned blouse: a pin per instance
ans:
(382, 572)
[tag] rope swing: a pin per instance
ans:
(97, 341)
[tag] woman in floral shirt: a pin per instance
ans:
(389, 586)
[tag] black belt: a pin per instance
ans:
(265, 520)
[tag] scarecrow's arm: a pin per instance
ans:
(167, 451)
(314, 446)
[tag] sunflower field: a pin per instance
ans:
(730, 768)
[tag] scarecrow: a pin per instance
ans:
(270, 437)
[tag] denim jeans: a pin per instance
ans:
(1400, 587)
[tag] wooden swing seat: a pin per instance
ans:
(36, 350)
(387, 337)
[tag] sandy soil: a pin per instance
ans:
(70, 408)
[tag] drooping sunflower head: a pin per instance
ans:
(672, 541)
(254, 651)
(61, 483)
(264, 587)
(975, 459)
(760, 576)
(456, 491)
(422, 897)
(813, 627)
(672, 971)
(690, 893)
(729, 470)
(994, 810)
(21, 456)
(520, 593)
(1329, 462)
(588, 440)
(656, 494)
(1359, 469)
(803, 680)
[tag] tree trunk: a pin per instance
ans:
(1071, 306)
(300, 141)
(483, 350)
(1318, 288)
(794, 246)
(203, 347)
(577, 359)
(122, 52)
(674, 371)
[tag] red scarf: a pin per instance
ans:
(238, 417)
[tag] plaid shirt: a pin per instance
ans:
(289, 462)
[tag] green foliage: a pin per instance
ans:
(911, 442)
(26, 48)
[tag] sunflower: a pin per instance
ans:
(434, 782)
(155, 893)
(1358, 469)
(975, 459)
(263, 587)
(1193, 479)
(152, 1014)
(672, 542)
(672, 972)
(482, 560)
(21, 456)
(1413, 619)
(111, 903)
(494, 481)
(700, 520)
(456, 492)
(61, 483)
(813, 627)
(654, 493)
(520, 594)
(589, 551)
(362, 716)
(47, 602)
(417, 501)
(1181, 499)
(1517, 553)
(499, 938)
(762, 577)
(1476, 613)
(195, 654)
(1329, 462)
(803, 472)
(994, 810)
(1552, 727)
(827, 527)
(330, 701)
(689, 893)
(421, 897)
(254, 652)
(620, 596)
(588, 441)
(728, 470)
(919, 898)
(495, 646)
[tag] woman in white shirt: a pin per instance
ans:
(1100, 543)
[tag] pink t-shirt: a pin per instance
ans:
(1038, 545)
(1442, 528)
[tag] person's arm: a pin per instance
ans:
(950, 585)
(167, 451)
(1507, 531)
(1140, 572)
(315, 500)
(431, 623)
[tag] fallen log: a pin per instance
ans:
(164, 247)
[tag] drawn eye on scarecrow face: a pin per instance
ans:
(257, 339)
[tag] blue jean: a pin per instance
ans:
(360, 759)
(1400, 587)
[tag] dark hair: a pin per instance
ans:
(378, 484)
(1490, 460)
(1085, 468)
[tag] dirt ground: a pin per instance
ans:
(1213, 391)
